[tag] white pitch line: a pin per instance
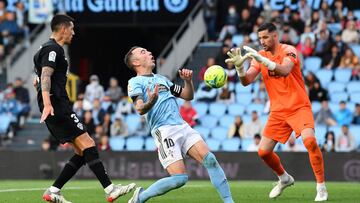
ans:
(85, 188)
(39, 189)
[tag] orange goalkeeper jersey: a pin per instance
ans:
(286, 93)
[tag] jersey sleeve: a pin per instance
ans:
(49, 57)
(291, 53)
(135, 90)
(175, 89)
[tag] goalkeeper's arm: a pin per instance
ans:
(282, 69)
(235, 57)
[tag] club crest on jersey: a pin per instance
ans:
(52, 56)
(80, 126)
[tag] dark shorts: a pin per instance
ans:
(65, 127)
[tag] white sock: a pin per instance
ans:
(109, 188)
(320, 186)
(284, 177)
(54, 189)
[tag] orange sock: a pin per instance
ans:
(272, 160)
(316, 159)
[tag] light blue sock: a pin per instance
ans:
(163, 186)
(217, 177)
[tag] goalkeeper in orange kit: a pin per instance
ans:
(290, 107)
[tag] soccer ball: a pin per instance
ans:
(215, 76)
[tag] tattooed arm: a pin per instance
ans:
(141, 107)
(45, 91)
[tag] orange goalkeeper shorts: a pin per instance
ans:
(280, 125)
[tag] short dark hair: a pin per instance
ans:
(128, 55)
(59, 20)
(270, 27)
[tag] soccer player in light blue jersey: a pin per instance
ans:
(155, 97)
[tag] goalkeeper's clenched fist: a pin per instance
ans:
(237, 59)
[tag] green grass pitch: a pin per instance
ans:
(89, 191)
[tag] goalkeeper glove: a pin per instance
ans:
(237, 59)
(263, 60)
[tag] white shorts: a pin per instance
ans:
(174, 141)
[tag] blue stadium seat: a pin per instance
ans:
(231, 145)
(219, 133)
(320, 132)
(117, 143)
(213, 144)
(312, 64)
(237, 39)
(356, 48)
(239, 88)
(217, 109)
(335, 129)
(343, 75)
(245, 143)
(351, 106)
(132, 120)
(256, 86)
(244, 98)
(150, 144)
(4, 123)
(355, 131)
(355, 97)
(334, 28)
(334, 107)
(263, 119)
(353, 86)
(339, 96)
(201, 108)
(231, 86)
(236, 109)
(134, 143)
(209, 121)
(180, 101)
(336, 87)
(316, 106)
(259, 108)
(204, 131)
(226, 121)
(246, 118)
(324, 76)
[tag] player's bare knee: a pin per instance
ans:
(210, 161)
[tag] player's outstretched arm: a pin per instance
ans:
(282, 69)
(235, 57)
(143, 107)
(238, 60)
(187, 92)
(46, 74)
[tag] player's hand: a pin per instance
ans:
(48, 110)
(153, 96)
(263, 60)
(237, 59)
(35, 81)
(186, 74)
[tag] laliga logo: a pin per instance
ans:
(176, 6)
(352, 170)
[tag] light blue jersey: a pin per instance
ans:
(166, 110)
